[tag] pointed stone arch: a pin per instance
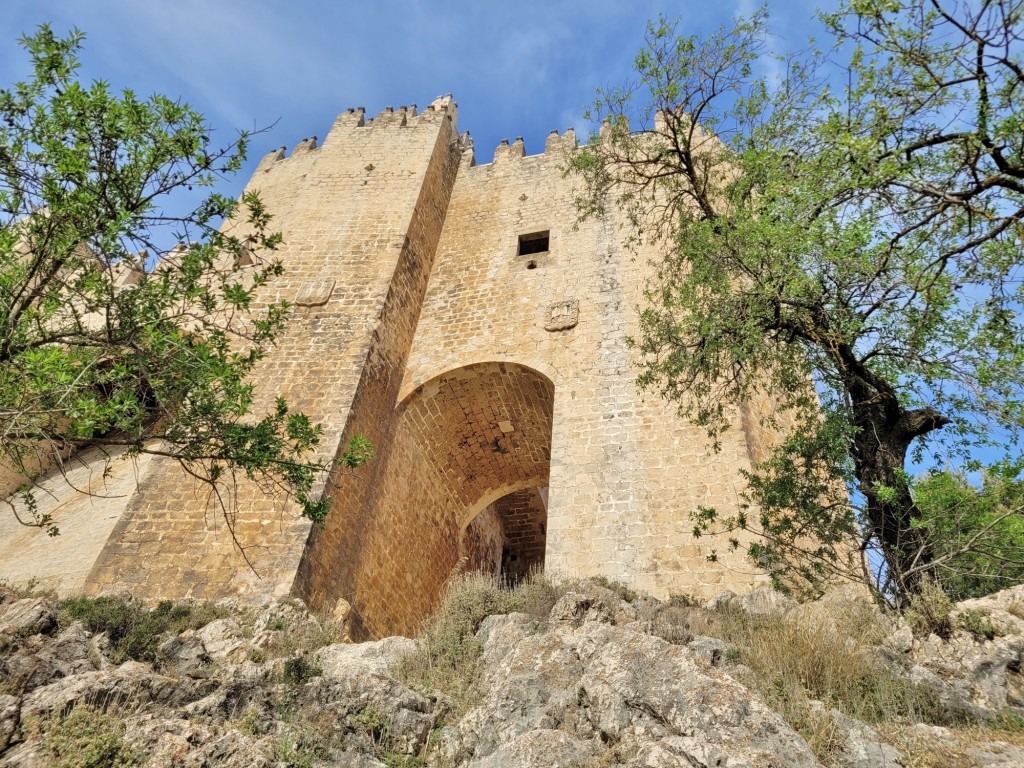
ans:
(461, 443)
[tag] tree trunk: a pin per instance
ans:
(885, 431)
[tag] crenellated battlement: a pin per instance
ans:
(353, 121)
(508, 152)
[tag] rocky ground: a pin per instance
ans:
(590, 676)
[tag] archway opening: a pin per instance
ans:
(507, 538)
(462, 475)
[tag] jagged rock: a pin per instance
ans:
(287, 612)
(131, 684)
(223, 641)
(710, 650)
(177, 743)
(863, 746)
(40, 661)
(29, 616)
(540, 748)
(359, 760)
(900, 639)
(9, 719)
(27, 754)
(285, 616)
(374, 658)
(997, 754)
(1005, 609)
(601, 684)
(500, 634)
(985, 675)
(352, 692)
(592, 603)
(764, 601)
(185, 654)
(242, 688)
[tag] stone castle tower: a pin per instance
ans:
(454, 314)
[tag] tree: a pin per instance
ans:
(977, 532)
(844, 238)
(123, 325)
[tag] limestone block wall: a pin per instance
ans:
(358, 223)
(625, 470)
(85, 495)
(507, 538)
(483, 542)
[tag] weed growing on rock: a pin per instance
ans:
(134, 631)
(929, 611)
(87, 738)
(297, 670)
(448, 657)
(799, 661)
(978, 622)
(620, 589)
(297, 750)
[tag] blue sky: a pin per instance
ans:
(515, 69)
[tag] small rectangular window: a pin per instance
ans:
(536, 242)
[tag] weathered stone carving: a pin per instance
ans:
(314, 293)
(563, 315)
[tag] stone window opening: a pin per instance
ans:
(535, 242)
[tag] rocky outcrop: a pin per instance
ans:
(601, 681)
(588, 690)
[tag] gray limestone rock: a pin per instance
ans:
(130, 685)
(223, 641)
(376, 658)
(862, 746)
(599, 685)
(28, 617)
(710, 650)
(171, 742)
(185, 654)
(41, 660)
(592, 602)
(541, 748)
(10, 708)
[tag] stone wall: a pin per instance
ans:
(357, 220)
(625, 470)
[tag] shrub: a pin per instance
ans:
(978, 531)
(929, 611)
(297, 671)
(979, 623)
(134, 631)
(87, 738)
(298, 750)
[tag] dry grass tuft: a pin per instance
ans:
(447, 660)
(795, 661)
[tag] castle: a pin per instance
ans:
(456, 315)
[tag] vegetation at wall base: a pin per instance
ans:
(844, 239)
(133, 630)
